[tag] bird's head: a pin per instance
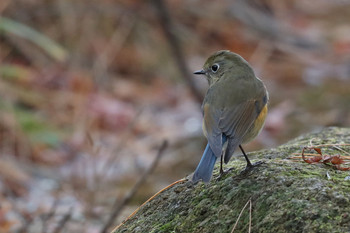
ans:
(224, 62)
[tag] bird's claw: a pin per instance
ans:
(250, 166)
(223, 173)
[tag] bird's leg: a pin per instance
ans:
(222, 171)
(249, 164)
(221, 164)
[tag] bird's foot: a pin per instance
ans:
(223, 173)
(252, 165)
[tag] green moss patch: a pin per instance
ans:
(286, 196)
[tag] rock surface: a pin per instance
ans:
(286, 195)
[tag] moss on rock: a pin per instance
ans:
(286, 196)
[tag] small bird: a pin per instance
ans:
(234, 110)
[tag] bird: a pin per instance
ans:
(234, 110)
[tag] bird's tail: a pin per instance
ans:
(205, 167)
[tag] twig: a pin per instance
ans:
(240, 214)
(313, 155)
(63, 221)
(150, 199)
(167, 26)
(27, 222)
(250, 216)
(331, 145)
(118, 206)
(123, 138)
(49, 215)
(340, 149)
(109, 52)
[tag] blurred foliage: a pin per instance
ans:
(88, 90)
(20, 30)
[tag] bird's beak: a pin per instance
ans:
(199, 72)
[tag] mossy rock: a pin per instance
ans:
(286, 195)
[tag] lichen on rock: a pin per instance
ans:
(286, 196)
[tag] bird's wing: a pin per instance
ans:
(211, 117)
(231, 121)
(233, 116)
(235, 122)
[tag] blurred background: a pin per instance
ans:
(89, 90)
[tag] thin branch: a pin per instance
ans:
(46, 218)
(167, 26)
(26, 224)
(63, 221)
(150, 199)
(118, 206)
(250, 216)
(240, 214)
(109, 52)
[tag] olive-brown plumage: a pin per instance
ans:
(234, 108)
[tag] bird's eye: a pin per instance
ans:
(215, 68)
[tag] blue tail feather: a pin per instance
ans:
(205, 167)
